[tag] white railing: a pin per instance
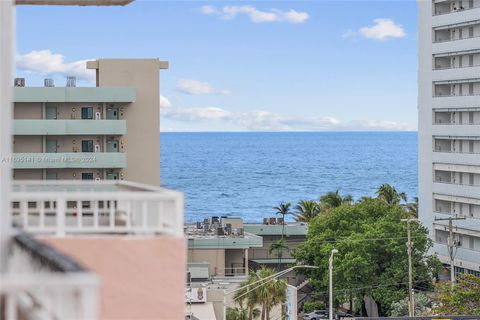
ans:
(234, 272)
(76, 207)
(48, 296)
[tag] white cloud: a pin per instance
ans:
(195, 87)
(45, 63)
(268, 121)
(382, 29)
(256, 15)
(165, 102)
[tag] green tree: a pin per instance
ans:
(306, 210)
(237, 313)
(283, 209)
(390, 195)
(372, 259)
(412, 208)
(279, 247)
(463, 299)
(400, 308)
(267, 294)
(332, 200)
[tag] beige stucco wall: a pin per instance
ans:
(27, 174)
(27, 144)
(215, 257)
(143, 115)
(27, 111)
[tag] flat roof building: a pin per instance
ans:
(111, 131)
(449, 128)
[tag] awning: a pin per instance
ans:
(274, 261)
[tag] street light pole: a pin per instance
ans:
(330, 276)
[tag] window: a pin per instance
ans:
(87, 145)
(87, 113)
(470, 32)
(87, 176)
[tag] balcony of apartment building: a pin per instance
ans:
(449, 12)
(456, 121)
(456, 179)
(467, 240)
(457, 206)
(454, 37)
(128, 235)
(456, 150)
(455, 93)
(456, 65)
(42, 283)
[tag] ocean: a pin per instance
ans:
(248, 173)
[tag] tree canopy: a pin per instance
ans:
(463, 299)
(372, 258)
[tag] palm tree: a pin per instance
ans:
(412, 208)
(278, 246)
(306, 210)
(283, 209)
(390, 195)
(334, 199)
(268, 293)
(237, 313)
(251, 298)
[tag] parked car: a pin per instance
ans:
(316, 315)
(341, 315)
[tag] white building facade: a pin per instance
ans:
(449, 126)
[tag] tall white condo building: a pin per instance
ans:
(449, 127)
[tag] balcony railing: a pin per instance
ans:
(454, 67)
(50, 296)
(455, 183)
(439, 13)
(69, 160)
(42, 283)
(453, 123)
(235, 272)
(80, 207)
(69, 127)
(456, 151)
(455, 39)
(441, 95)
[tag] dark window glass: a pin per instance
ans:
(87, 145)
(87, 176)
(87, 113)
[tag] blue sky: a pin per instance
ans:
(316, 65)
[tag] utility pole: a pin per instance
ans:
(411, 303)
(452, 245)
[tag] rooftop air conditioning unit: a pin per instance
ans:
(48, 83)
(19, 82)
(71, 81)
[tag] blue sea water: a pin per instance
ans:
(246, 174)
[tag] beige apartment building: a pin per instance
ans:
(109, 132)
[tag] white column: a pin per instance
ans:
(7, 48)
